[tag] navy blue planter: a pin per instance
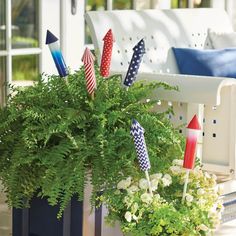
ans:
(41, 220)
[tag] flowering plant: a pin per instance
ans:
(163, 213)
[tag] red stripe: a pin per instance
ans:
(90, 78)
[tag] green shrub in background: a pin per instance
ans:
(53, 138)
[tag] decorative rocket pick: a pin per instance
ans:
(190, 149)
(106, 54)
(137, 131)
(139, 51)
(88, 60)
(54, 47)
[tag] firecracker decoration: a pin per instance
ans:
(137, 131)
(88, 60)
(53, 43)
(107, 54)
(139, 51)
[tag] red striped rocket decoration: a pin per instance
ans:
(106, 54)
(88, 60)
(190, 149)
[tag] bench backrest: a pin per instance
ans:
(161, 30)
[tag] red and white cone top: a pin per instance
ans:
(194, 124)
(88, 57)
(191, 142)
(88, 60)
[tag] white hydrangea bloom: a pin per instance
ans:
(132, 189)
(154, 184)
(143, 184)
(200, 191)
(166, 180)
(128, 216)
(189, 198)
(156, 197)
(156, 176)
(177, 162)
(121, 184)
(135, 217)
(176, 169)
(167, 176)
(124, 184)
(146, 198)
(201, 202)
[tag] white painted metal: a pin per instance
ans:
(25, 51)
(72, 34)
(213, 99)
(161, 30)
(8, 44)
(50, 20)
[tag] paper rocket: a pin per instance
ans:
(88, 60)
(107, 54)
(139, 51)
(54, 47)
(191, 142)
(190, 149)
(137, 132)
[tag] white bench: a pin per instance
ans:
(213, 99)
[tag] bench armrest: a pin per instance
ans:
(192, 89)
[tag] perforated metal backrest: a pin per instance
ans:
(161, 29)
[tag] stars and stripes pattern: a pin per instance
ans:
(107, 53)
(139, 51)
(137, 132)
(88, 60)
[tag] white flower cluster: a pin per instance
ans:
(203, 191)
(142, 188)
(133, 203)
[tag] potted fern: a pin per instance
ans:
(53, 136)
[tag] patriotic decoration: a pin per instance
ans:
(139, 51)
(106, 54)
(193, 131)
(52, 42)
(88, 60)
(190, 149)
(137, 131)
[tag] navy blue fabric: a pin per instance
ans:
(210, 62)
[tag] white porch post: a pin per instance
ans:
(72, 33)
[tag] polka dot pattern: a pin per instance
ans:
(139, 51)
(107, 54)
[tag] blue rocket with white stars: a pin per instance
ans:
(139, 51)
(54, 47)
(137, 131)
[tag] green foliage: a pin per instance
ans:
(163, 212)
(55, 138)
